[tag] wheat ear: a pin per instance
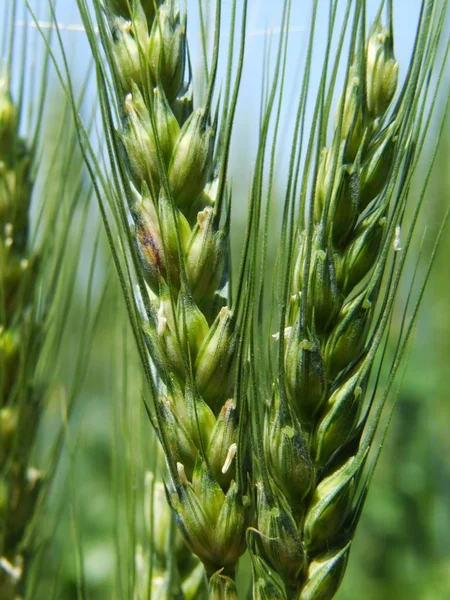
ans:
(178, 204)
(313, 459)
(20, 335)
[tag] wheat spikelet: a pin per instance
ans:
(173, 569)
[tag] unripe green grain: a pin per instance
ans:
(178, 438)
(167, 49)
(191, 161)
(168, 339)
(15, 197)
(267, 585)
(381, 71)
(19, 276)
(130, 47)
(175, 229)
(377, 165)
(324, 289)
(324, 575)
(22, 316)
(214, 366)
(341, 414)
(279, 536)
(345, 200)
(175, 573)
(171, 172)
(208, 491)
(200, 419)
(352, 129)
(347, 339)
(330, 505)
(304, 375)
(139, 138)
(10, 347)
(191, 518)
(230, 529)
(157, 513)
(324, 181)
(362, 252)
(223, 443)
(287, 454)
(193, 326)
(205, 256)
(149, 241)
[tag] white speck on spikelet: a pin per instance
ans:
(162, 321)
(14, 572)
(129, 103)
(287, 333)
(182, 474)
(229, 459)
